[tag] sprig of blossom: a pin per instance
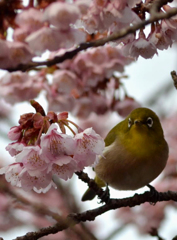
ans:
(41, 150)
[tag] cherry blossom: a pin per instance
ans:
(19, 53)
(141, 47)
(30, 19)
(18, 86)
(65, 81)
(159, 37)
(126, 106)
(15, 148)
(32, 161)
(12, 173)
(14, 133)
(57, 147)
(52, 39)
(42, 151)
(88, 146)
(40, 183)
(61, 15)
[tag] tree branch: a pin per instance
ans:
(90, 215)
(92, 184)
(100, 42)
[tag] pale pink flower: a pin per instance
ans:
(159, 38)
(83, 5)
(12, 173)
(17, 87)
(64, 171)
(88, 146)
(57, 147)
(99, 102)
(169, 28)
(32, 160)
(61, 15)
(19, 176)
(57, 151)
(20, 34)
(83, 107)
(44, 39)
(96, 64)
(60, 102)
(64, 81)
(52, 39)
(19, 53)
(14, 133)
(30, 19)
(120, 5)
(125, 106)
(108, 16)
(142, 47)
(15, 148)
(14, 53)
(40, 183)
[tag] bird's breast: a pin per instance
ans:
(133, 166)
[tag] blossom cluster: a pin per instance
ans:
(64, 25)
(87, 83)
(41, 150)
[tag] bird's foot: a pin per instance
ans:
(105, 197)
(154, 194)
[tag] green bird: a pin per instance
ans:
(135, 153)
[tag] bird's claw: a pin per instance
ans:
(154, 194)
(105, 197)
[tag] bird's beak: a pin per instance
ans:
(137, 122)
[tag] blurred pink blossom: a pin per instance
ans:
(18, 86)
(160, 38)
(125, 106)
(144, 217)
(14, 53)
(30, 19)
(52, 39)
(61, 14)
(140, 47)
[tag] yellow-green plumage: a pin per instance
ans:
(135, 153)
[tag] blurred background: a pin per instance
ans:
(149, 83)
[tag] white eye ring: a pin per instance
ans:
(129, 122)
(149, 122)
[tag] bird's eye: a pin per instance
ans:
(149, 122)
(129, 122)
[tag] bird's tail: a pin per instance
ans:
(90, 193)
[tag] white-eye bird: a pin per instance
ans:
(135, 153)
